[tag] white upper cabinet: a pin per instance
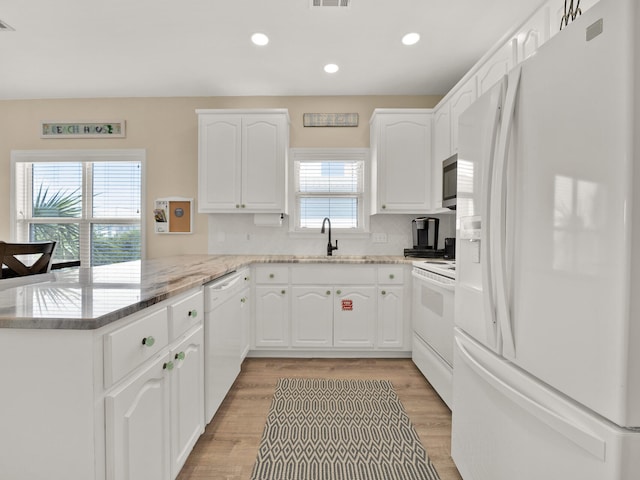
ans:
(242, 159)
(401, 160)
(460, 101)
(495, 67)
(441, 150)
(532, 34)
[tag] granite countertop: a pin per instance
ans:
(89, 298)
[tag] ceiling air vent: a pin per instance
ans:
(4, 27)
(330, 3)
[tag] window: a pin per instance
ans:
(89, 201)
(329, 183)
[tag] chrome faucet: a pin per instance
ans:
(330, 248)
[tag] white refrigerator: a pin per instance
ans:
(546, 377)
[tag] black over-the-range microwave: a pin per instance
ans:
(450, 182)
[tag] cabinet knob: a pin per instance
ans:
(167, 366)
(328, 292)
(242, 206)
(180, 356)
(148, 341)
(338, 292)
(283, 292)
(246, 279)
(384, 207)
(383, 292)
(193, 313)
(392, 276)
(237, 205)
(271, 275)
(243, 300)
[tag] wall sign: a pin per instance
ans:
(330, 119)
(82, 129)
(347, 305)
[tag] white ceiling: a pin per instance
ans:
(147, 48)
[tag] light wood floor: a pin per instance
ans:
(228, 448)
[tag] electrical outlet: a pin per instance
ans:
(379, 238)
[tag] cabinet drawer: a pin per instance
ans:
(185, 313)
(132, 344)
(391, 275)
(272, 274)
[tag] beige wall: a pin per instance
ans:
(167, 129)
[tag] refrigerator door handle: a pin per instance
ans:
(499, 215)
(488, 287)
(586, 440)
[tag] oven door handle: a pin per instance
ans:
(434, 283)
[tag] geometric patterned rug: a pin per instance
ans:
(319, 429)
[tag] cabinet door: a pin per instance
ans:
(137, 426)
(312, 316)
(354, 317)
(496, 67)
(187, 398)
(460, 101)
(219, 163)
(245, 323)
(264, 154)
(272, 316)
(404, 163)
(390, 317)
(441, 150)
(533, 34)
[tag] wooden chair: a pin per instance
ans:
(16, 267)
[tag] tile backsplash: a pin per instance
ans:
(237, 234)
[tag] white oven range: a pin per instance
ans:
(432, 320)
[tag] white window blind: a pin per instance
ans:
(330, 187)
(90, 206)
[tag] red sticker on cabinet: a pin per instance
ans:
(347, 305)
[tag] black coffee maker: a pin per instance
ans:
(425, 233)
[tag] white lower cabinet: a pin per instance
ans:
(330, 308)
(312, 316)
(138, 426)
(391, 330)
(187, 398)
(326, 316)
(154, 419)
(271, 316)
(354, 317)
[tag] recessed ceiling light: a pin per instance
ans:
(259, 39)
(411, 38)
(331, 68)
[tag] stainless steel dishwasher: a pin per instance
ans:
(223, 331)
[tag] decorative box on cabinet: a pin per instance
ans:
(242, 161)
(400, 141)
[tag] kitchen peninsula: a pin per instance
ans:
(105, 365)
